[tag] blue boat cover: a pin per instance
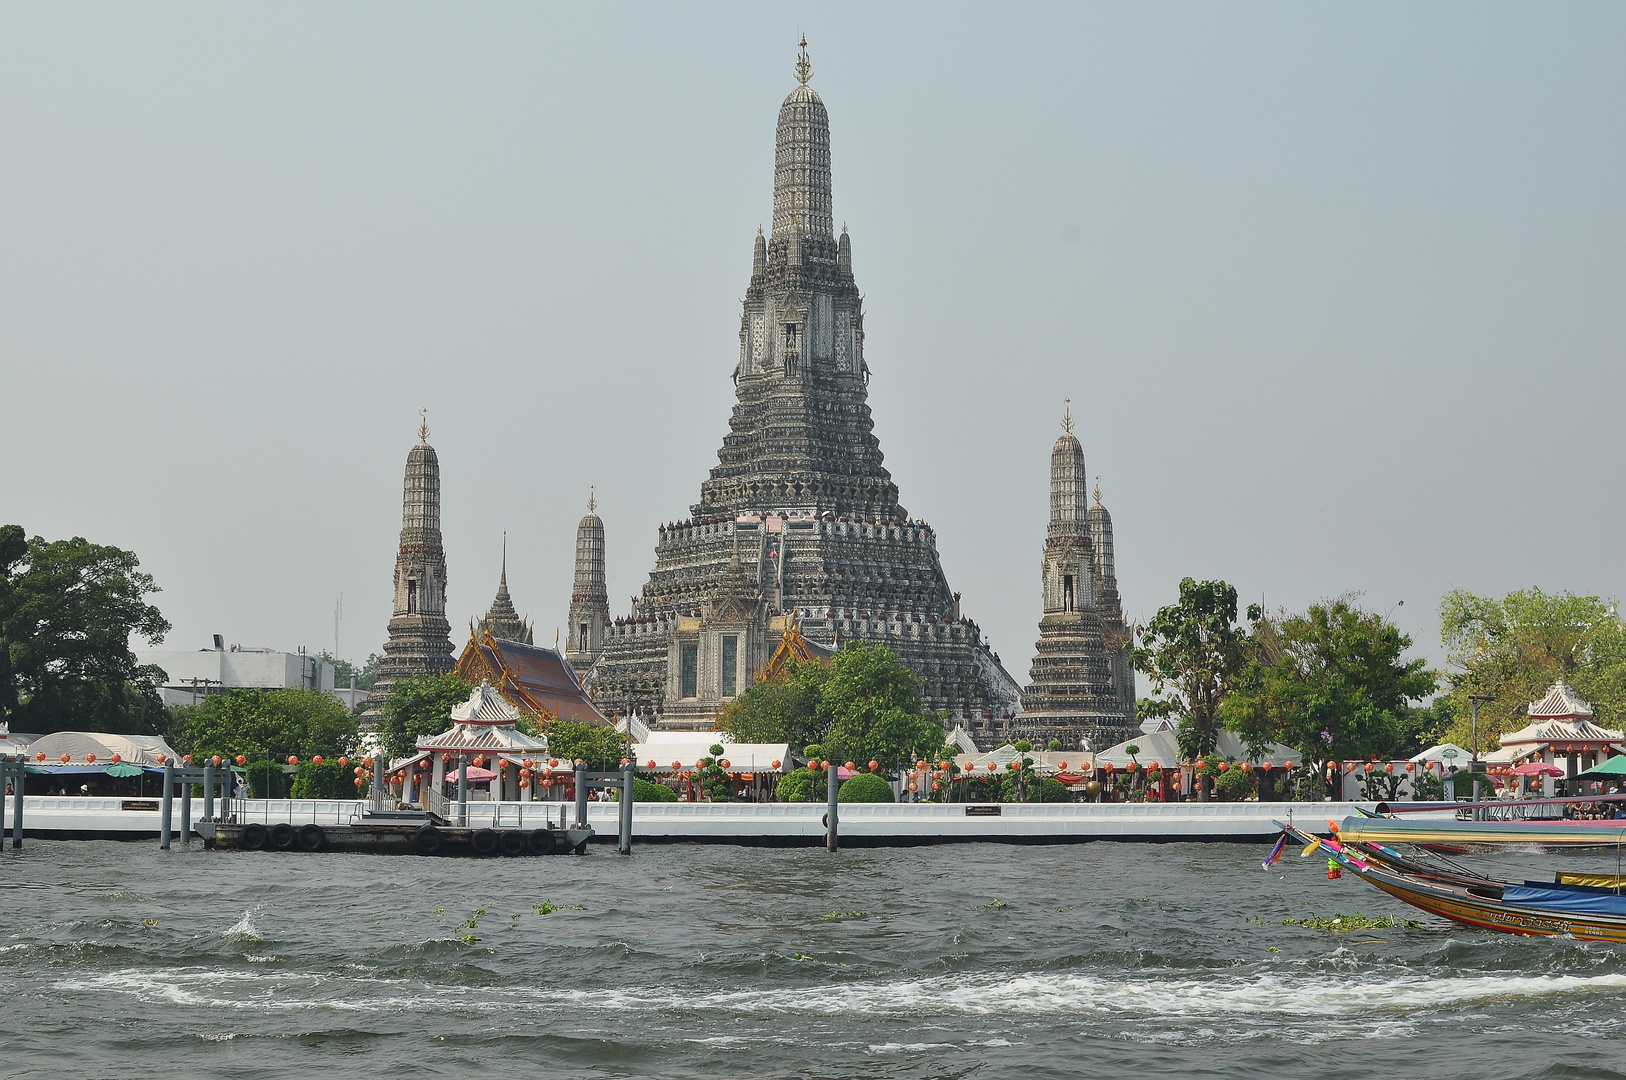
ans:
(1565, 900)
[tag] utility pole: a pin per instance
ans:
(1473, 760)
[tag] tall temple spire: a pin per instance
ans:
(502, 620)
(799, 519)
(1069, 484)
(589, 597)
(419, 635)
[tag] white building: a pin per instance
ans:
(190, 676)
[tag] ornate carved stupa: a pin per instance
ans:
(799, 519)
(589, 599)
(1083, 685)
(420, 637)
(501, 620)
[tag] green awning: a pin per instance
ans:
(1615, 766)
(124, 768)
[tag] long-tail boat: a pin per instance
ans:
(1584, 906)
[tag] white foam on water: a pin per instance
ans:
(244, 929)
(1297, 998)
(908, 1048)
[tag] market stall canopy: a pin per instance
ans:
(1538, 768)
(143, 750)
(1045, 762)
(688, 747)
(1449, 753)
(1615, 766)
(1163, 748)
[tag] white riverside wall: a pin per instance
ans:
(768, 824)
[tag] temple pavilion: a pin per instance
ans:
(484, 730)
(1560, 732)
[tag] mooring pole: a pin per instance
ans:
(378, 779)
(462, 791)
(17, 804)
(830, 815)
(626, 809)
(186, 811)
(208, 790)
(164, 811)
(581, 796)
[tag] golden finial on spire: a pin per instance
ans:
(592, 498)
(423, 427)
(804, 66)
(1098, 491)
(1067, 417)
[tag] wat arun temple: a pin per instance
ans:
(798, 532)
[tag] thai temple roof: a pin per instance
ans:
(1561, 703)
(484, 722)
(528, 676)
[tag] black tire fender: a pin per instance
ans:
(252, 837)
(283, 836)
(512, 842)
(312, 837)
(484, 842)
(540, 842)
(427, 840)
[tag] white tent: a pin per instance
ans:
(688, 747)
(1163, 748)
(142, 750)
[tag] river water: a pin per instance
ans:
(118, 960)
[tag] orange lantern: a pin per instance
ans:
(723, 763)
(848, 766)
(651, 764)
(1369, 766)
(359, 781)
(1411, 766)
(161, 758)
(344, 762)
(1107, 768)
(317, 760)
(1224, 766)
(90, 759)
(675, 764)
(874, 765)
(776, 765)
(1389, 768)
(293, 759)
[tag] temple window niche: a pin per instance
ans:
(412, 596)
(1067, 593)
(583, 646)
(731, 661)
(689, 670)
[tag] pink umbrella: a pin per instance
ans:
(476, 775)
(843, 773)
(1538, 768)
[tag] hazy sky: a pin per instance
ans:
(1337, 291)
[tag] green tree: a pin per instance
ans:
(1195, 650)
(1512, 649)
(1332, 683)
(68, 609)
(264, 725)
(420, 705)
(598, 745)
(872, 703)
(784, 709)
(865, 787)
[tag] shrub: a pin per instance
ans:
(865, 787)
(647, 791)
(1233, 784)
(265, 780)
(324, 781)
(1048, 789)
(796, 785)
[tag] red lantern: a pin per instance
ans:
(524, 783)
(936, 786)
(1389, 768)
(344, 762)
(723, 763)
(776, 765)
(1224, 766)
(161, 758)
(874, 765)
(359, 781)
(69, 757)
(580, 762)
(1410, 766)
(848, 766)
(317, 760)
(293, 759)
(1247, 767)
(90, 759)
(1131, 767)
(39, 757)
(675, 764)
(1289, 765)
(1368, 766)
(554, 762)
(357, 770)
(651, 764)
(913, 786)
(187, 759)
(1063, 765)
(990, 766)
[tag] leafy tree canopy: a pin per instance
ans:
(599, 745)
(780, 710)
(1512, 649)
(1195, 650)
(420, 705)
(865, 706)
(1332, 683)
(68, 609)
(264, 725)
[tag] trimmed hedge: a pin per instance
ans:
(865, 787)
(265, 780)
(796, 785)
(324, 781)
(648, 791)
